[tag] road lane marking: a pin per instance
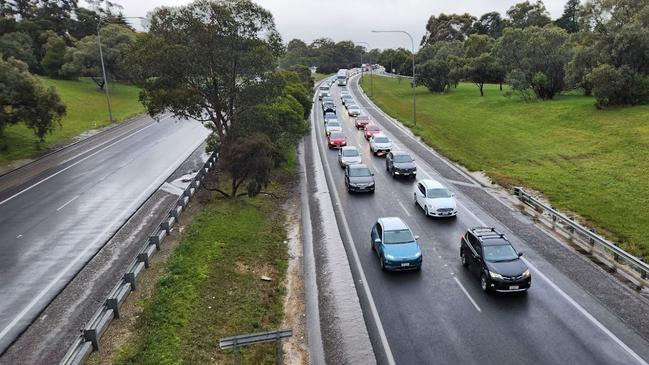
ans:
(586, 314)
(69, 201)
(404, 208)
(74, 164)
(83, 252)
(18, 236)
(467, 294)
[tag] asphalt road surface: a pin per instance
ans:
(56, 221)
(440, 315)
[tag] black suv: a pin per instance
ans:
(399, 163)
(489, 255)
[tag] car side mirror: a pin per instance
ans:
(520, 254)
(377, 240)
(416, 238)
(372, 173)
(452, 195)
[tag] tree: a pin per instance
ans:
(205, 60)
(539, 55)
(526, 14)
(490, 24)
(54, 58)
(248, 159)
(435, 75)
(117, 42)
(618, 86)
(23, 98)
(570, 18)
(19, 46)
(480, 66)
(452, 27)
(584, 59)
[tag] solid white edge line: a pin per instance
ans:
(585, 313)
(563, 294)
(74, 164)
(68, 202)
(467, 294)
(134, 204)
(357, 261)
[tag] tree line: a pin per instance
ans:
(600, 47)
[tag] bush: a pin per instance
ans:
(618, 86)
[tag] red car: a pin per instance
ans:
(371, 130)
(336, 139)
(362, 121)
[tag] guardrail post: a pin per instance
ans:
(278, 349)
(554, 222)
(143, 257)
(129, 277)
(591, 240)
(111, 303)
(91, 335)
(155, 240)
(235, 352)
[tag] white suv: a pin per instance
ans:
(435, 199)
(380, 143)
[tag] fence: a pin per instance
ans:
(616, 259)
(88, 341)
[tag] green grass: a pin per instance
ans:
(592, 162)
(318, 76)
(86, 109)
(212, 287)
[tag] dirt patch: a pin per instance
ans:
(121, 331)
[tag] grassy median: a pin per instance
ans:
(213, 287)
(86, 109)
(592, 162)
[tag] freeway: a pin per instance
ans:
(58, 218)
(440, 315)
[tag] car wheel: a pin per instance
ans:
(426, 211)
(392, 172)
(483, 283)
(463, 258)
(372, 244)
(381, 262)
(414, 197)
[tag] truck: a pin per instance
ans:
(342, 77)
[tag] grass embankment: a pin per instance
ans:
(318, 76)
(592, 162)
(213, 288)
(86, 109)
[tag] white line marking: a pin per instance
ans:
(467, 294)
(128, 210)
(69, 201)
(74, 164)
(18, 236)
(585, 313)
(404, 208)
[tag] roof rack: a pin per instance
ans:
(485, 232)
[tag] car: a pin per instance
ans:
(400, 163)
(435, 199)
(336, 139)
(330, 116)
(350, 103)
(328, 99)
(395, 245)
(362, 121)
(353, 110)
(333, 126)
(359, 178)
(328, 107)
(323, 94)
(489, 255)
(380, 144)
(370, 130)
(346, 99)
(348, 155)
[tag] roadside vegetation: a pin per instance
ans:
(86, 109)
(588, 161)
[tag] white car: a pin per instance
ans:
(348, 155)
(333, 126)
(353, 110)
(380, 143)
(435, 199)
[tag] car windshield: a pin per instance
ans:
(381, 140)
(438, 193)
(360, 172)
(362, 117)
(402, 158)
(337, 135)
(353, 107)
(371, 128)
(496, 253)
(397, 236)
(350, 153)
(333, 124)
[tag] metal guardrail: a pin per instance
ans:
(632, 268)
(234, 342)
(88, 340)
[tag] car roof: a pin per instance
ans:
(346, 148)
(358, 166)
(489, 235)
(400, 153)
(432, 184)
(392, 223)
(362, 116)
(379, 135)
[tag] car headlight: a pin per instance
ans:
(495, 275)
(389, 257)
(526, 273)
(418, 255)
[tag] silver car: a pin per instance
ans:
(353, 110)
(348, 155)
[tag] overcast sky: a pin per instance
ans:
(354, 19)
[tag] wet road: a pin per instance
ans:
(440, 315)
(55, 222)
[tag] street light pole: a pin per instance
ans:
(414, 80)
(371, 71)
(103, 67)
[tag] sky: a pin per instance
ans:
(354, 19)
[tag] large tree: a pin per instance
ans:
(23, 98)
(570, 18)
(491, 24)
(527, 14)
(451, 27)
(480, 66)
(199, 61)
